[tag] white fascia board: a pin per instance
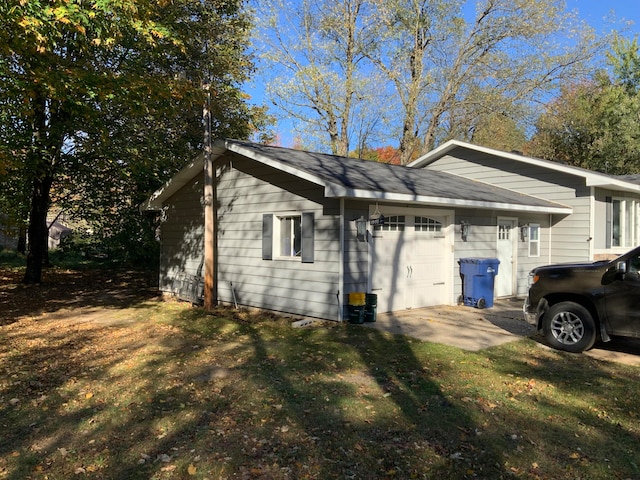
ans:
(438, 152)
(278, 165)
(180, 179)
(612, 183)
(456, 202)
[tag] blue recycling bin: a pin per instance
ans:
(478, 277)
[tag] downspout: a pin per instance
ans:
(592, 222)
(341, 256)
(550, 227)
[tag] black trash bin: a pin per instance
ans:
(478, 275)
(357, 303)
(370, 307)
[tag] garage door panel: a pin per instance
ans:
(389, 270)
(409, 267)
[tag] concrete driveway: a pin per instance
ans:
(474, 329)
(460, 326)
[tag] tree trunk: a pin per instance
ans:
(22, 240)
(37, 233)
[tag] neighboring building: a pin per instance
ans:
(288, 239)
(57, 233)
(8, 234)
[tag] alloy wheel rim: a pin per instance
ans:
(567, 328)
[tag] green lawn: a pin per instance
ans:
(143, 389)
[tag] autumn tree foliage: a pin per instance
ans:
(596, 124)
(101, 101)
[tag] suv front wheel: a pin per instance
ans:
(569, 326)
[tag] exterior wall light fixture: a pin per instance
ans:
(464, 230)
(361, 228)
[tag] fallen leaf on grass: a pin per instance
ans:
(191, 469)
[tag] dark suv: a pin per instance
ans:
(574, 304)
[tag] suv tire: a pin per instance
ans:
(570, 327)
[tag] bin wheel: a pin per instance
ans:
(482, 303)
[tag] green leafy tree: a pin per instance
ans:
(102, 101)
(596, 124)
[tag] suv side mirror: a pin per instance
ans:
(621, 269)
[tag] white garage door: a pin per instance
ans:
(410, 262)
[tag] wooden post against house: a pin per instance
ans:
(210, 274)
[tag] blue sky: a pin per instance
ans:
(595, 11)
(603, 15)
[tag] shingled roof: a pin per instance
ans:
(355, 178)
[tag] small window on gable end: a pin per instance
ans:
(534, 240)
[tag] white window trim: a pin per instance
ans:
(629, 210)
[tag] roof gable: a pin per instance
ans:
(629, 183)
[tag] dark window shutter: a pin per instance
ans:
(308, 228)
(608, 221)
(267, 236)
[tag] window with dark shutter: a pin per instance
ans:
(267, 236)
(308, 228)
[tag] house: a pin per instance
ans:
(57, 233)
(605, 218)
(297, 231)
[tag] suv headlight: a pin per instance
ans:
(533, 278)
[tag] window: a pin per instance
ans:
(624, 222)
(425, 224)
(504, 232)
(294, 234)
(290, 236)
(534, 240)
(392, 223)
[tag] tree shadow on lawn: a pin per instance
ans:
(176, 393)
(575, 410)
(215, 397)
(429, 425)
(65, 289)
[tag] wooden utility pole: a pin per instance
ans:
(210, 214)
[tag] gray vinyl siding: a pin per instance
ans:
(570, 234)
(481, 241)
(525, 262)
(356, 251)
(182, 234)
(248, 190)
